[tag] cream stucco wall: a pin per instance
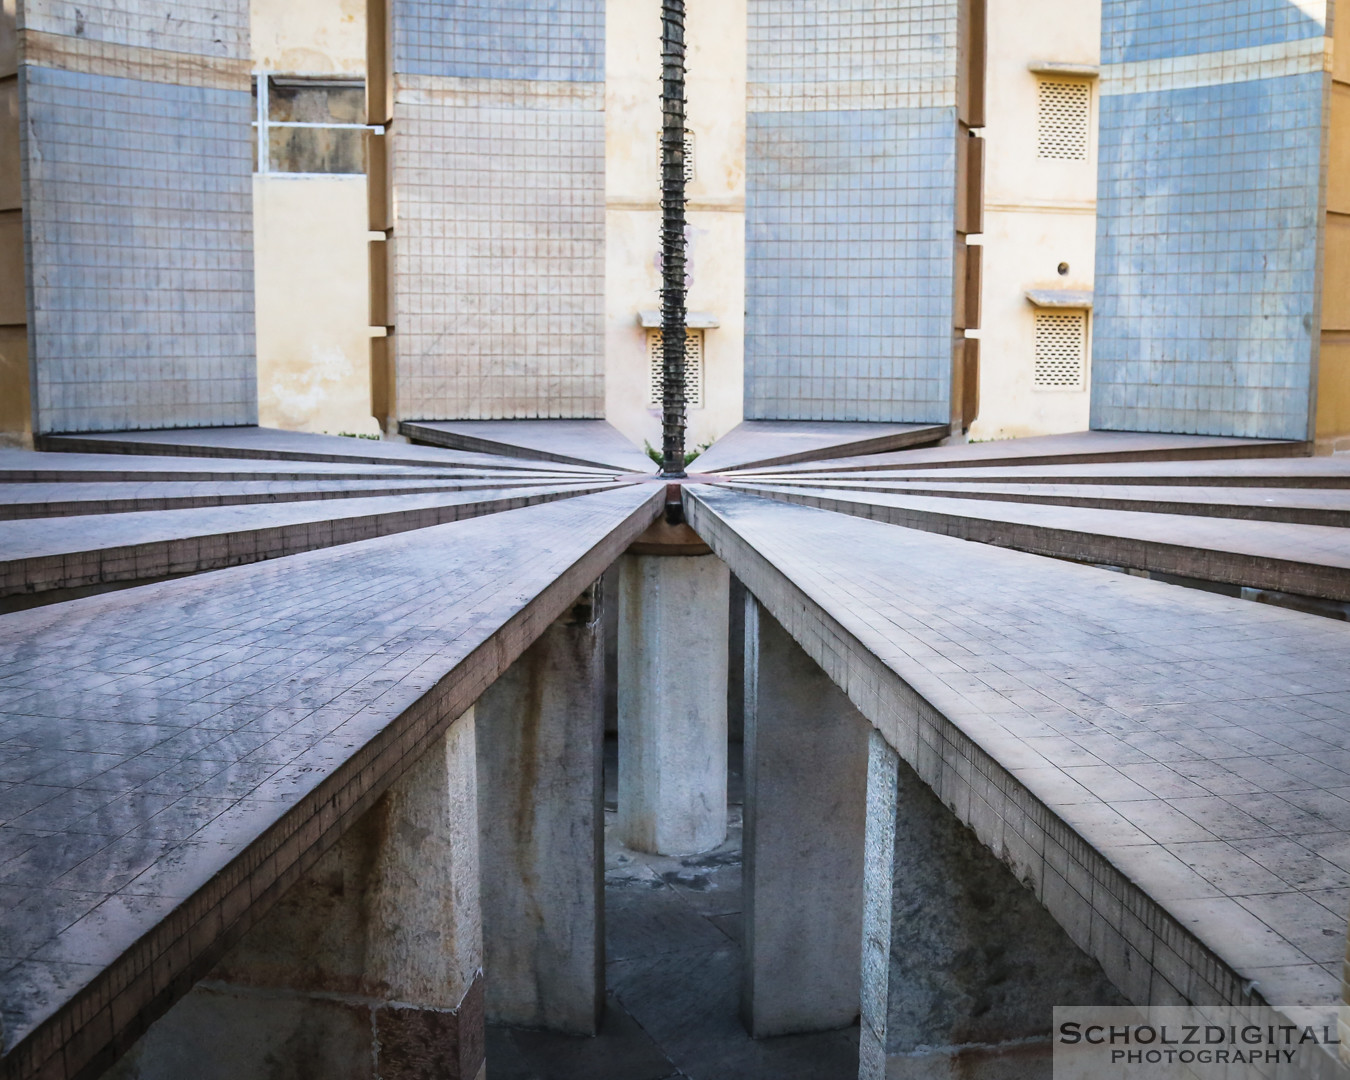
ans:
(311, 273)
(1038, 213)
(309, 37)
(311, 268)
(716, 208)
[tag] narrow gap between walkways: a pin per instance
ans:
(673, 973)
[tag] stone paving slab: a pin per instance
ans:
(1082, 446)
(761, 443)
(1301, 506)
(1310, 560)
(278, 445)
(69, 552)
(1167, 769)
(30, 466)
(596, 443)
(20, 500)
(172, 757)
(1314, 472)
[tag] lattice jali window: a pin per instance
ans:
(693, 367)
(1063, 116)
(1060, 349)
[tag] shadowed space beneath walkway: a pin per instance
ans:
(672, 943)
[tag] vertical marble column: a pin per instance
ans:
(962, 966)
(541, 826)
(673, 702)
(805, 811)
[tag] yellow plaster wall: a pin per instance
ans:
(1038, 213)
(312, 287)
(311, 272)
(309, 37)
(716, 209)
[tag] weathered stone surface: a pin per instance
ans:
(1158, 764)
(1311, 560)
(805, 808)
(540, 753)
(673, 702)
(593, 443)
(257, 713)
(369, 966)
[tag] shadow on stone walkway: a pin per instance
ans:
(672, 939)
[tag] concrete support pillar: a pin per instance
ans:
(805, 813)
(673, 702)
(962, 966)
(541, 827)
(369, 968)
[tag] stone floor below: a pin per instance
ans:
(672, 939)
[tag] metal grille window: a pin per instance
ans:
(693, 367)
(309, 125)
(688, 155)
(1061, 349)
(1063, 113)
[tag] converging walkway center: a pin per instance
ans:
(350, 784)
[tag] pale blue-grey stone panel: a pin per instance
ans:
(557, 40)
(138, 212)
(1152, 29)
(1207, 243)
(849, 247)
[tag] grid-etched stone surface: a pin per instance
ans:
(1304, 506)
(1164, 767)
(57, 553)
(168, 769)
(1311, 560)
(1135, 30)
(27, 500)
(1210, 164)
(499, 256)
(594, 443)
(201, 27)
(760, 443)
(138, 215)
(551, 40)
(850, 190)
(1080, 446)
(278, 445)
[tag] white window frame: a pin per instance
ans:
(262, 123)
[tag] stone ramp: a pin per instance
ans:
(590, 443)
(1080, 447)
(40, 554)
(1316, 472)
(1167, 769)
(22, 500)
(175, 755)
(43, 467)
(277, 445)
(1299, 506)
(762, 443)
(1311, 560)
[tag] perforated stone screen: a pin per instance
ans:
(693, 367)
(1063, 112)
(1060, 347)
